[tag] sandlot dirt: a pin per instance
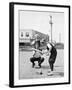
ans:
(27, 72)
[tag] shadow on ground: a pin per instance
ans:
(43, 67)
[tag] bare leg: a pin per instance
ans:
(51, 66)
(40, 62)
(32, 60)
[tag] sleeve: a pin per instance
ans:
(49, 46)
(33, 52)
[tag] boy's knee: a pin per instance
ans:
(42, 59)
(31, 59)
(51, 61)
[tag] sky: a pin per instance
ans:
(39, 21)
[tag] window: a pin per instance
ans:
(21, 34)
(27, 34)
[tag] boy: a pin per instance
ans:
(53, 54)
(37, 55)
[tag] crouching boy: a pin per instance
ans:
(37, 57)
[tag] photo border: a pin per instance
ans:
(11, 42)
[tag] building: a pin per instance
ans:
(28, 35)
(25, 36)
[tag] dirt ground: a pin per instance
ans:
(27, 72)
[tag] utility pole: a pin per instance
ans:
(51, 23)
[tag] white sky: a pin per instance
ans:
(40, 21)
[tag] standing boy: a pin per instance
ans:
(53, 54)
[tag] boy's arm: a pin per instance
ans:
(37, 50)
(46, 52)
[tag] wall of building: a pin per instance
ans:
(28, 34)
